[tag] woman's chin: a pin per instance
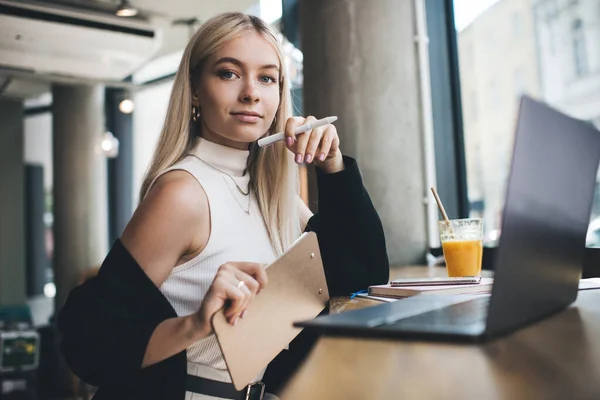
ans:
(246, 134)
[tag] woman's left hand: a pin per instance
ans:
(320, 145)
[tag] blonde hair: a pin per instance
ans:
(273, 174)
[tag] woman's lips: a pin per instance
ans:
(244, 117)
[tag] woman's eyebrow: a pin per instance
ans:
(240, 64)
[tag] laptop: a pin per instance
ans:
(540, 257)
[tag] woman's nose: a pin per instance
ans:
(249, 93)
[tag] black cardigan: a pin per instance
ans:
(106, 322)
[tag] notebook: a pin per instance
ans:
(484, 287)
(296, 290)
(584, 284)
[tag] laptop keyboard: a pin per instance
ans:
(464, 313)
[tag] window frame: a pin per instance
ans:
(451, 170)
(578, 48)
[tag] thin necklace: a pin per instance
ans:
(224, 173)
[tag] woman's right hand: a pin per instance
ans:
(227, 290)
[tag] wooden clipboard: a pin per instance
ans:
(296, 291)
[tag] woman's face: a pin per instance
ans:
(238, 92)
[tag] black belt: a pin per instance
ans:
(197, 384)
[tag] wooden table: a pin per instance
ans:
(558, 358)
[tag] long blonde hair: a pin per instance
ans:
(273, 174)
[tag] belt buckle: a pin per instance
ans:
(249, 391)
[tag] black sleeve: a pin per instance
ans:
(353, 250)
(104, 326)
(349, 231)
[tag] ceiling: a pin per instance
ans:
(174, 16)
(172, 8)
(177, 19)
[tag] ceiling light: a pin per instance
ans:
(109, 145)
(126, 106)
(126, 9)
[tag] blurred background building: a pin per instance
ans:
(547, 49)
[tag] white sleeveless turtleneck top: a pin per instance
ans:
(237, 233)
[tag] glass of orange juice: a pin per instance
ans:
(462, 245)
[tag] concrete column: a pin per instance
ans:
(12, 203)
(360, 64)
(80, 188)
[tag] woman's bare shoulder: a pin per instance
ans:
(170, 222)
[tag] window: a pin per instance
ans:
(470, 56)
(520, 82)
(514, 60)
(491, 38)
(473, 101)
(517, 24)
(494, 95)
(550, 12)
(579, 51)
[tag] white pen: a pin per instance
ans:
(264, 142)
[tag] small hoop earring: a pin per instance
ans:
(195, 113)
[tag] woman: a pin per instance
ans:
(212, 197)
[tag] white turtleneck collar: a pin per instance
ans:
(227, 159)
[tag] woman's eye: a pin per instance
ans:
(268, 79)
(226, 74)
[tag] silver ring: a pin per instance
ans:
(240, 284)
